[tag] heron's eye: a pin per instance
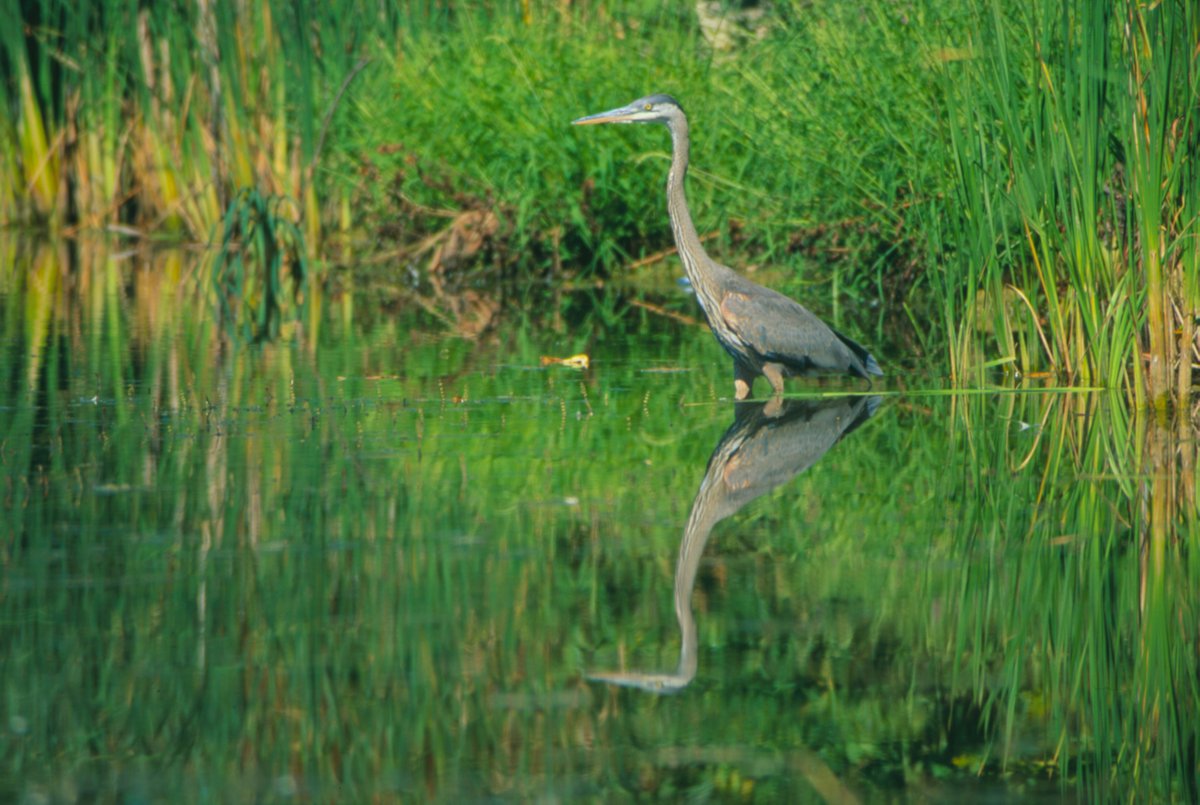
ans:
(648, 107)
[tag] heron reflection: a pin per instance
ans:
(767, 445)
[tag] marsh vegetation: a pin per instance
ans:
(299, 496)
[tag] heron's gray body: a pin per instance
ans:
(764, 331)
(761, 328)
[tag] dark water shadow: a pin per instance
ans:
(767, 445)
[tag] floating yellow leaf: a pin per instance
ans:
(574, 362)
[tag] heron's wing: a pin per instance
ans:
(782, 331)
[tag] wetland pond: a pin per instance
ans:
(371, 561)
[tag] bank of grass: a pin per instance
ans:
(1002, 184)
(808, 151)
(467, 110)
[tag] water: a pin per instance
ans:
(373, 560)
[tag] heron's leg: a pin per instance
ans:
(743, 381)
(774, 373)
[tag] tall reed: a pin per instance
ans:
(1076, 220)
(153, 115)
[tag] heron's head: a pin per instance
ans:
(651, 109)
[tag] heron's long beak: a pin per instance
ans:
(623, 114)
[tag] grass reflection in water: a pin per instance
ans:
(378, 561)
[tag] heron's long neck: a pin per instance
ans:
(687, 242)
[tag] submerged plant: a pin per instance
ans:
(259, 246)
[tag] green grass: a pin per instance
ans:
(470, 110)
(787, 142)
(996, 184)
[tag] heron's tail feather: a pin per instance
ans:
(870, 365)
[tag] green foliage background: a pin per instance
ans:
(375, 553)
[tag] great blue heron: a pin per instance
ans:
(765, 332)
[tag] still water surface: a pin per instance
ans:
(374, 561)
